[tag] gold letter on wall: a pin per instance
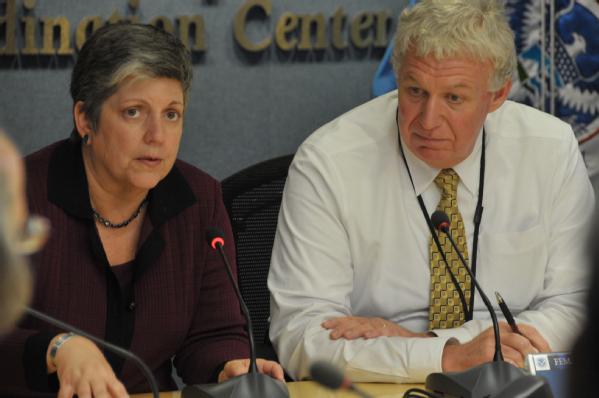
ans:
(163, 23)
(81, 32)
(361, 23)
(240, 21)
(306, 42)
(382, 19)
(337, 29)
(64, 29)
(197, 21)
(287, 23)
(8, 21)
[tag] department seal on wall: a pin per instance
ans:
(573, 61)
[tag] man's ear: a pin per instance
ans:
(499, 96)
(82, 122)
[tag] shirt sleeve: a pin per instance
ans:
(217, 332)
(311, 279)
(558, 310)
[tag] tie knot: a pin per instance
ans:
(447, 180)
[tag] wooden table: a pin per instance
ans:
(306, 389)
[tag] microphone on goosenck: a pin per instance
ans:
(216, 239)
(491, 379)
(102, 343)
(326, 374)
(441, 222)
(253, 383)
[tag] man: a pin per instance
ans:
(355, 277)
(16, 237)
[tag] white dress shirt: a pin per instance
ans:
(352, 239)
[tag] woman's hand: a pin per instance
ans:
(83, 371)
(238, 367)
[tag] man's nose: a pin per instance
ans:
(430, 113)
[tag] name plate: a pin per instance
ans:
(553, 367)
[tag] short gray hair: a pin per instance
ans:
(447, 28)
(119, 51)
(15, 278)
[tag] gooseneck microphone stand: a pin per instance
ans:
(102, 343)
(253, 383)
(440, 221)
(491, 379)
(329, 376)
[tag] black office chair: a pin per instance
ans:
(252, 198)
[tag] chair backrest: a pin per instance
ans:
(253, 198)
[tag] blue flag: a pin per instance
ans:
(384, 78)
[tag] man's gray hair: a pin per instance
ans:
(117, 52)
(446, 28)
(15, 280)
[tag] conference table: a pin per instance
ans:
(305, 389)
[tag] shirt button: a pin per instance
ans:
(132, 306)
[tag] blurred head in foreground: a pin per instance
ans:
(20, 235)
(14, 275)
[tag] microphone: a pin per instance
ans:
(104, 344)
(326, 374)
(441, 222)
(252, 384)
(216, 239)
(497, 378)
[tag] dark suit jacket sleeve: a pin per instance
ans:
(24, 362)
(217, 333)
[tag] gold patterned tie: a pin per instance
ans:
(445, 307)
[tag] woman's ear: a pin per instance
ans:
(82, 122)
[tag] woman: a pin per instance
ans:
(127, 259)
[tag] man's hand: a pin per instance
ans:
(83, 371)
(515, 347)
(355, 327)
(238, 367)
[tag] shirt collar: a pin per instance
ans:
(423, 175)
(68, 189)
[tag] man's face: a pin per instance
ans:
(443, 105)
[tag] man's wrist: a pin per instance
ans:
(448, 359)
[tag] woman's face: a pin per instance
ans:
(138, 134)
